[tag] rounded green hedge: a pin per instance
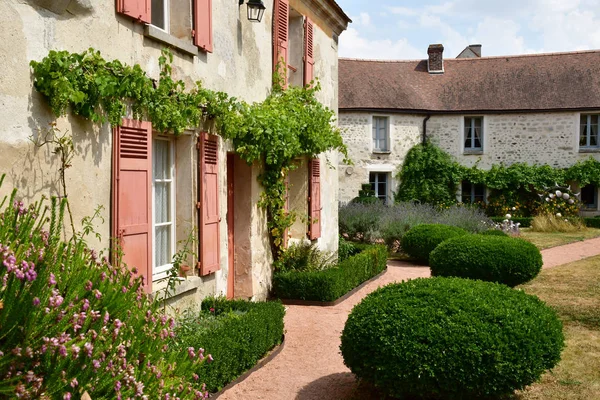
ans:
(494, 232)
(421, 240)
(489, 258)
(451, 338)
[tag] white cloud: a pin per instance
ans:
(365, 19)
(353, 45)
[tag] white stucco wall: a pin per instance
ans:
(241, 65)
(534, 138)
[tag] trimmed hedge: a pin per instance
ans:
(489, 258)
(451, 338)
(236, 333)
(592, 222)
(331, 284)
(421, 240)
(494, 232)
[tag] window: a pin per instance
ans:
(160, 14)
(379, 183)
(588, 133)
(472, 193)
(380, 134)
(474, 133)
(589, 197)
(163, 206)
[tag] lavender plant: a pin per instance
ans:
(70, 322)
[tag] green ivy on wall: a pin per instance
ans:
(431, 175)
(289, 124)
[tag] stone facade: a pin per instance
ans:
(535, 138)
(240, 65)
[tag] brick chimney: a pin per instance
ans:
(435, 64)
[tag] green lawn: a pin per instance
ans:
(574, 291)
(546, 240)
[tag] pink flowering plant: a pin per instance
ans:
(70, 322)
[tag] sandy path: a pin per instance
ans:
(310, 367)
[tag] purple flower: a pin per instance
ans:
(95, 364)
(74, 382)
(75, 351)
(62, 350)
(67, 396)
(36, 301)
(89, 348)
(117, 386)
(51, 280)
(88, 285)
(86, 305)
(97, 294)
(191, 352)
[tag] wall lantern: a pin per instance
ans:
(256, 10)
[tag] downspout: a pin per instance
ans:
(425, 129)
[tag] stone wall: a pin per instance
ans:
(535, 138)
(241, 65)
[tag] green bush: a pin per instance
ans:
(331, 284)
(494, 232)
(346, 249)
(421, 240)
(236, 333)
(592, 222)
(450, 338)
(524, 221)
(505, 260)
(304, 256)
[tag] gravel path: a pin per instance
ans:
(310, 367)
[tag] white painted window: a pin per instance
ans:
(471, 193)
(473, 133)
(381, 134)
(589, 197)
(163, 205)
(380, 184)
(160, 14)
(588, 133)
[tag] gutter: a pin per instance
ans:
(425, 129)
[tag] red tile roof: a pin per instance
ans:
(539, 82)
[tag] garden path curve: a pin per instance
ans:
(310, 367)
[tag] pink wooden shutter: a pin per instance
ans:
(314, 206)
(203, 35)
(309, 58)
(280, 36)
(136, 9)
(208, 204)
(132, 196)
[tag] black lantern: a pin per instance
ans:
(256, 10)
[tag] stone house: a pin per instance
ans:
(539, 109)
(158, 190)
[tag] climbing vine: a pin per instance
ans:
(289, 124)
(430, 175)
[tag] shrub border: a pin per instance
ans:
(274, 352)
(315, 303)
(590, 222)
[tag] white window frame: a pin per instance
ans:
(160, 271)
(472, 194)
(375, 139)
(167, 17)
(471, 149)
(385, 197)
(588, 132)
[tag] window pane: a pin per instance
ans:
(162, 202)
(158, 13)
(477, 143)
(594, 119)
(478, 122)
(583, 135)
(594, 135)
(584, 119)
(479, 193)
(162, 162)
(468, 137)
(162, 245)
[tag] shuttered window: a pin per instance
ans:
(203, 35)
(136, 9)
(208, 204)
(309, 56)
(131, 209)
(163, 205)
(314, 206)
(281, 20)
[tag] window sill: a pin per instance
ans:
(589, 149)
(382, 152)
(181, 287)
(154, 33)
(473, 152)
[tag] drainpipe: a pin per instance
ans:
(425, 129)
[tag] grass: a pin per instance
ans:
(573, 291)
(545, 240)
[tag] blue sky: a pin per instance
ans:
(395, 29)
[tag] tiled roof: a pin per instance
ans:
(556, 81)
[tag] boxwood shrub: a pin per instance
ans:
(494, 232)
(451, 338)
(331, 284)
(505, 260)
(420, 241)
(236, 333)
(592, 222)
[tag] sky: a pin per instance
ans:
(403, 29)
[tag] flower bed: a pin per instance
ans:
(236, 333)
(526, 221)
(331, 284)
